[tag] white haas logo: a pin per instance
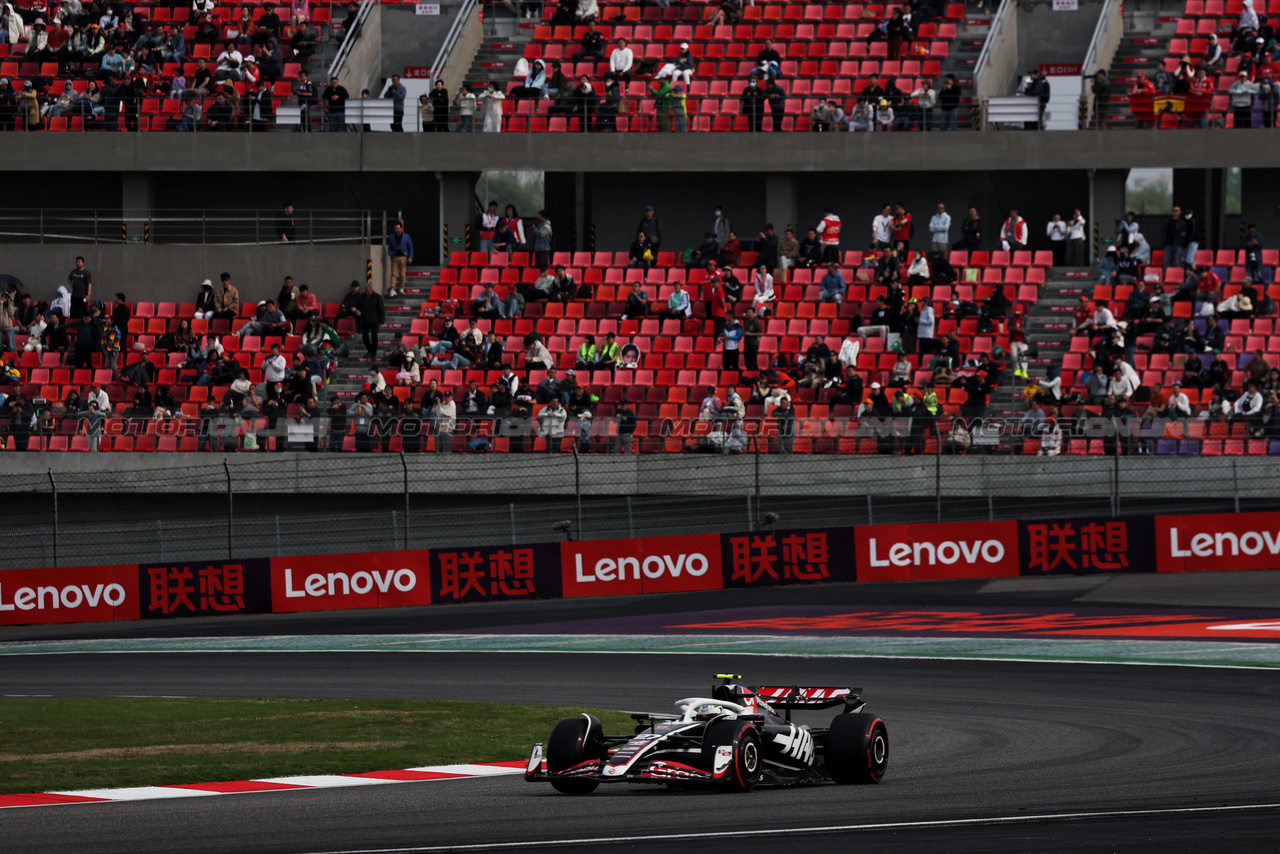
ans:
(652, 566)
(798, 744)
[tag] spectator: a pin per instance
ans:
(788, 250)
(398, 93)
(637, 302)
(620, 62)
(926, 99)
(80, 281)
(1173, 234)
(882, 228)
(940, 230)
(651, 229)
(766, 246)
(784, 418)
(829, 233)
(664, 105)
(1252, 244)
(400, 251)
(625, 418)
(731, 251)
(753, 331)
(732, 340)
(833, 285)
(949, 103)
(551, 425)
(1056, 230)
(446, 419)
(678, 304)
(764, 295)
(372, 314)
(536, 355)
(970, 232)
(1241, 95)
(592, 45)
(708, 250)
(492, 98)
(335, 97)
(730, 13)
(1014, 232)
(439, 99)
(1075, 240)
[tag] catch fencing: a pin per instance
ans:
(86, 509)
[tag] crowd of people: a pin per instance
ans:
(1252, 44)
(98, 62)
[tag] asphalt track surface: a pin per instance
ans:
(985, 756)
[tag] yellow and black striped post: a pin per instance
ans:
(975, 116)
(470, 247)
(444, 244)
(146, 233)
(1097, 242)
(592, 247)
(1082, 116)
(368, 272)
(124, 232)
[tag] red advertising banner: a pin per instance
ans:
(1080, 546)
(365, 580)
(1218, 541)
(947, 550)
(767, 559)
(204, 588)
(496, 573)
(72, 594)
(648, 565)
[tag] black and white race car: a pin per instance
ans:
(736, 739)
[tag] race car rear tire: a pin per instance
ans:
(747, 764)
(857, 749)
(572, 742)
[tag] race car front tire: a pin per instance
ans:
(747, 765)
(574, 740)
(857, 749)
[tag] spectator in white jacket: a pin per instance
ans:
(551, 425)
(446, 412)
(940, 230)
(620, 62)
(1179, 404)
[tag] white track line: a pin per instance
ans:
(791, 831)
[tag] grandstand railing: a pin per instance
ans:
(456, 29)
(1102, 50)
(995, 69)
(348, 41)
(243, 227)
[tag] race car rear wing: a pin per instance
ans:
(797, 697)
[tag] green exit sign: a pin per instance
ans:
(135, 239)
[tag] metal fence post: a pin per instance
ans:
(755, 442)
(404, 464)
(53, 487)
(230, 506)
(1235, 489)
(577, 485)
(937, 479)
(1115, 479)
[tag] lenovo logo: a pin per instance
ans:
(1224, 543)
(72, 596)
(648, 565)
(344, 584)
(930, 554)
(634, 568)
(936, 550)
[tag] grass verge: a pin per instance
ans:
(96, 743)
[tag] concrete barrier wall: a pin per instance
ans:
(174, 273)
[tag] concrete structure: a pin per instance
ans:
(605, 180)
(173, 273)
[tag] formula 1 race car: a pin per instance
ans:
(733, 740)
